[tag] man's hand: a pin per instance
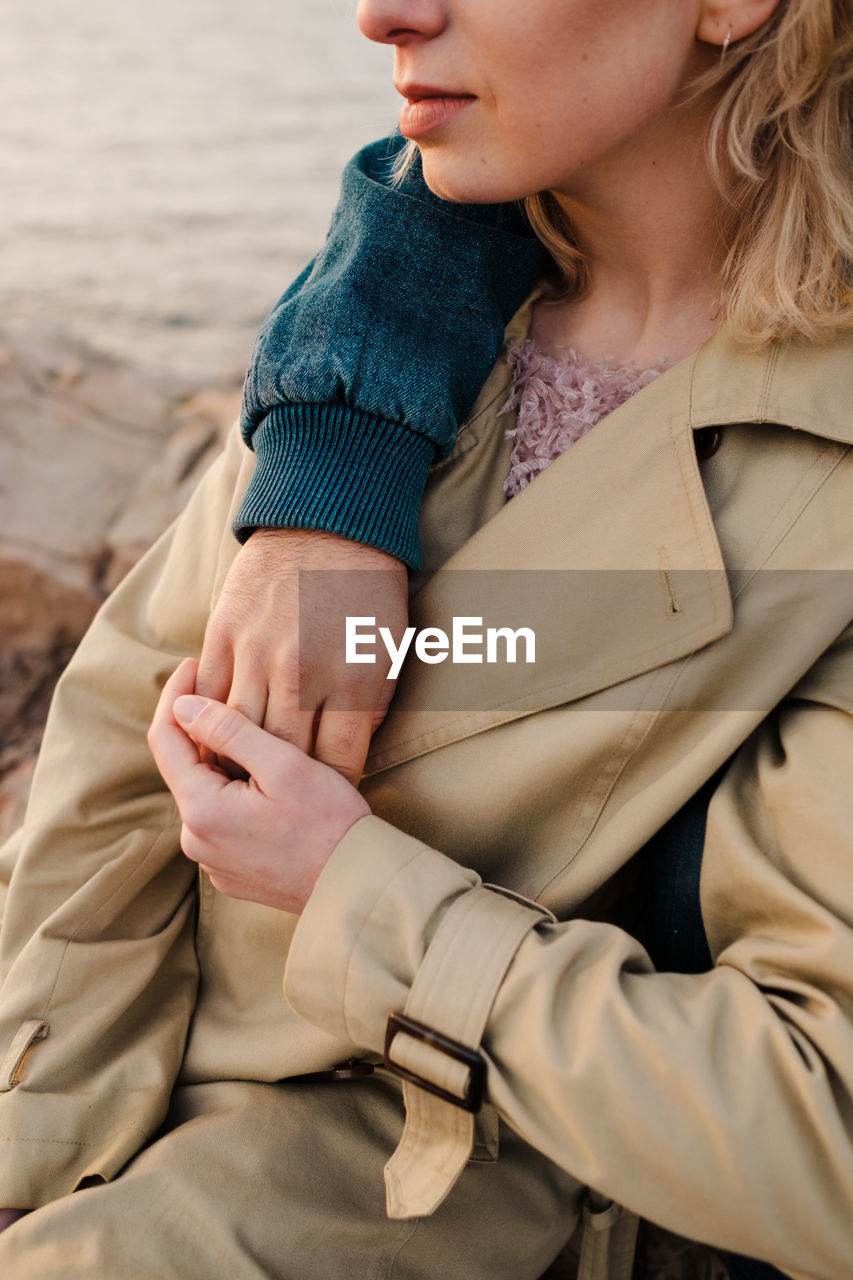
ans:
(288, 673)
(265, 839)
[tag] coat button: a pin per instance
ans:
(352, 1069)
(707, 441)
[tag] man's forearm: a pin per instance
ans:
(365, 368)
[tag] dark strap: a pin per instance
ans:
(751, 1269)
(669, 924)
(669, 917)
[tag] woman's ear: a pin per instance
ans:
(733, 18)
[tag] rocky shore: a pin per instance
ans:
(96, 459)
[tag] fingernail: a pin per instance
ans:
(188, 706)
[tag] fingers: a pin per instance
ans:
(182, 680)
(343, 740)
(216, 665)
(238, 830)
(188, 729)
(227, 732)
(274, 643)
(174, 752)
(248, 693)
(290, 723)
(225, 677)
(347, 721)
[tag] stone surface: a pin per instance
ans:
(95, 461)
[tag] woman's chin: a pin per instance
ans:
(467, 181)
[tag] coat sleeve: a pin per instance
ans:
(366, 366)
(97, 944)
(719, 1104)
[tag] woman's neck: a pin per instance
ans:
(649, 225)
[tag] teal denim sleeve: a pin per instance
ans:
(366, 366)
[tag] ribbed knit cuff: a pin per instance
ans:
(332, 467)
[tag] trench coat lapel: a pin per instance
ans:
(610, 557)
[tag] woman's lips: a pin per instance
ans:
(420, 117)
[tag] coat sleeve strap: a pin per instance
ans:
(435, 1046)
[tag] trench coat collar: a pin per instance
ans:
(798, 384)
(610, 556)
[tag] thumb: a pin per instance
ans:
(227, 732)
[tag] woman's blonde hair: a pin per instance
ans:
(780, 149)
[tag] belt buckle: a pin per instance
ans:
(472, 1099)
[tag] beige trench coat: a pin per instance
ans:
(695, 610)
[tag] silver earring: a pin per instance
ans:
(726, 44)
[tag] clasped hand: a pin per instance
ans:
(276, 655)
(274, 645)
(265, 838)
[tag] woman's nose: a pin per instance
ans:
(401, 21)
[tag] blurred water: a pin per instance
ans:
(169, 165)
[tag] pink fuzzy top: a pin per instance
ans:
(557, 401)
